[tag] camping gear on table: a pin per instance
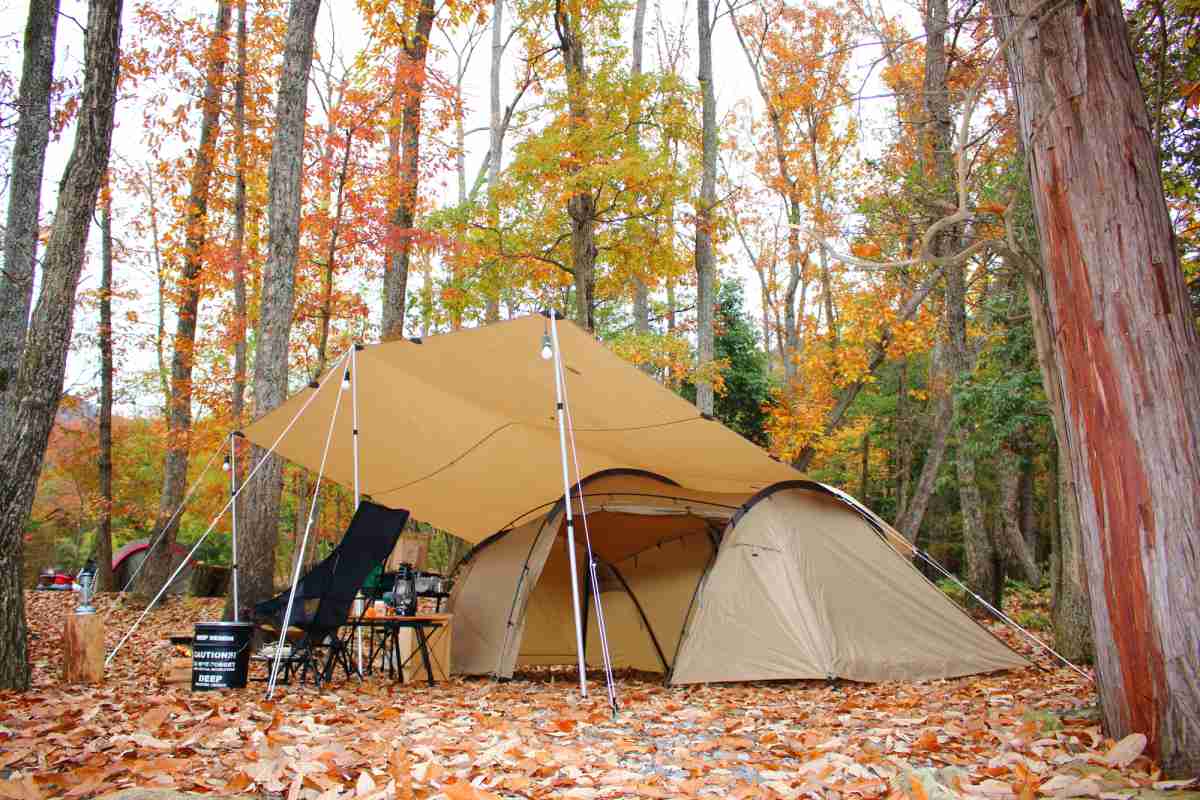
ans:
(221, 655)
(404, 592)
(324, 595)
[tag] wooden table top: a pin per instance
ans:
(432, 618)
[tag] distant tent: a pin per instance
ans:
(128, 560)
(717, 561)
(795, 581)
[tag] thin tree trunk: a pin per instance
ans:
(160, 278)
(25, 189)
(641, 293)
(103, 554)
(1130, 357)
(909, 522)
(395, 279)
(1009, 469)
(239, 223)
(258, 536)
(904, 439)
(39, 380)
(179, 413)
(705, 258)
(495, 153)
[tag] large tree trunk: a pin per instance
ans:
(179, 413)
(412, 88)
(1130, 357)
(39, 380)
(1068, 572)
(103, 554)
(706, 267)
(25, 188)
(258, 534)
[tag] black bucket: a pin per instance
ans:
(221, 655)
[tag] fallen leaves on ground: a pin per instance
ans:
(1012, 735)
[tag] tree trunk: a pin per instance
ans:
(706, 266)
(495, 153)
(239, 224)
(103, 553)
(395, 278)
(1130, 357)
(1019, 550)
(179, 413)
(39, 379)
(641, 293)
(25, 189)
(258, 534)
(909, 523)
(1068, 578)
(581, 206)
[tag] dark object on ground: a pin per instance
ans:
(209, 580)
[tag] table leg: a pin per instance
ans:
(396, 658)
(424, 645)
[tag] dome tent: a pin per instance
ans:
(795, 581)
(683, 516)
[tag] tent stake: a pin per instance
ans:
(562, 445)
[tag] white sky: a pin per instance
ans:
(733, 81)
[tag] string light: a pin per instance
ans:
(225, 465)
(346, 381)
(547, 348)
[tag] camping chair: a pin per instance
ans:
(326, 593)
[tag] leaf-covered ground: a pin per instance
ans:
(1019, 734)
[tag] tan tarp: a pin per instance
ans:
(460, 429)
(802, 587)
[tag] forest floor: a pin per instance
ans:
(1017, 734)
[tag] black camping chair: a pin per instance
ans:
(327, 591)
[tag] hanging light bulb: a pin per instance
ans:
(225, 466)
(346, 381)
(547, 348)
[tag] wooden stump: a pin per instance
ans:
(83, 649)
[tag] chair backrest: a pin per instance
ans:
(325, 594)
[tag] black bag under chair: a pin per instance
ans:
(325, 595)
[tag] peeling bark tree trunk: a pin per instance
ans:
(25, 188)
(706, 267)
(179, 413)
(1130, 357)
(103, 554)
(39, 379)
(258, 535)
(1071, 610)
(410, 83)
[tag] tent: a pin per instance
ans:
(795, 581)
(741, 569)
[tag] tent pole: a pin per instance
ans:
(233, 512)
(273, 680)
(562, 444)
(358, 639)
